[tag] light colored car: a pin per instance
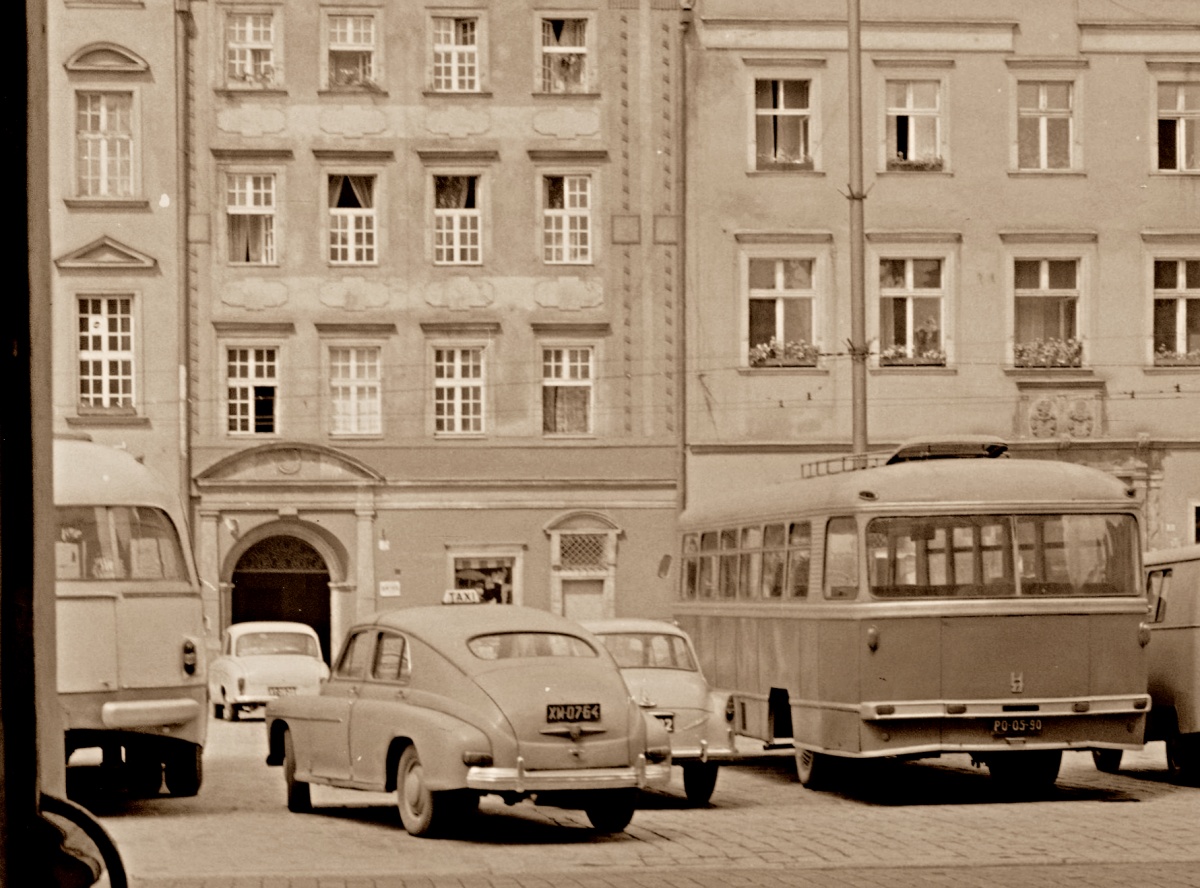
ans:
(262, 660)
(447, 703)
(660, 667)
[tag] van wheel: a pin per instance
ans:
(299, 796)
(1025, 774)
(184, 770)
(1107, 760)
(1183, 757)
(610, 810)
(814, 769)
(699, 780)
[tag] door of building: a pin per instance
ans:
(283, 578)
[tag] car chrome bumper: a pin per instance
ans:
(518, 779)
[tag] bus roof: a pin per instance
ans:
(86, 474)
(999, 482)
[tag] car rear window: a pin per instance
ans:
(511, 645)
(649, 650)
(263, 644)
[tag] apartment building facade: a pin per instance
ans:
(1032, 235)
(434, 253)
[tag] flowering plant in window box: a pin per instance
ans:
(781, 160)
(923, 165)
(898, 356)
(1048, 353)
(797, 353)
(1165, 358)
(264, 76)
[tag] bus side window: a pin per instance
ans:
(841, 558)
(1157, 585)
(799, 558)
(690, 574)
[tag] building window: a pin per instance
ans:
(352, 220)
(250, 50)
(355, 391)
(458, 390)
(104, 144)
(910, 312)
(781, 124)
(781, 312)
(1179, 126)
(352, 51)
(250, 217)
(486, 580)
(914, 125)
(564, 55)
(455, 54)
(566, 220)
(457, 221)
(252, 388)
(1176, 311)
(567, 390)
(1044, 126)
(1046, 297)
(105, 352)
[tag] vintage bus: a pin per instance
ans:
(941, 598)
(130, 622)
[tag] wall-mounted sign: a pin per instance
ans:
(389, 588)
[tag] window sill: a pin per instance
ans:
(456, 94)
(1173, 174)
(246, 266)
(568, 437)
(914, 369)
(903, 173)
(107, 203)
(1042, 174)
(778, 173)
(352, 91)
(128, 420)
(231, 91)
(1055, 372)
(591, 96)
(793, 370)
(459, 436)
(1163, 369)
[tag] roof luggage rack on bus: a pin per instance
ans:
(958, 447)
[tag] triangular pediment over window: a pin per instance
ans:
(105, 252)
(287, 462)
(108, 57)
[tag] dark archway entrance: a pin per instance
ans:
(282, 578)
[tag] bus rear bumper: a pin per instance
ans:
(903, 710)
(122, 714)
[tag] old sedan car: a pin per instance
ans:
(660, 668)
(262, 660)
(444, 704)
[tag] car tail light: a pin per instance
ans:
(656, 754)
(189, 657)
(477, 759)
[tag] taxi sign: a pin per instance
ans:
(461, 596)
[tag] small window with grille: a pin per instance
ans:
(583, 551)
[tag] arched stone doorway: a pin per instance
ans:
(282, 578)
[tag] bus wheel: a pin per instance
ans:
(143, 773)
(1183, 757)
(699, 780)
(184, 770)
(814, 768)
(1107, 760)
(1025, 773)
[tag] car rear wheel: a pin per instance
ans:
(699, 780)
(299, 797)
(1107, 760)
(422, 811)
(184, 769)
(611, 810)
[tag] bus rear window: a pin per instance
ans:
(117, 543)
(995, 556)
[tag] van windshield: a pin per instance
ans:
(992, 556)
(117, 543)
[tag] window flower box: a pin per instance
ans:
(898, 356)
(1164, 358)
(784, 354)
(1048, 353)
(927, 165)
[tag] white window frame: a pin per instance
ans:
(1186, 120)
(940, 160)
(103, 142)
(812, 72)
(1043, 115)
(458, 233)
(355, 391)
(251, 199)
(513, 552)
(456, 67)
(337, 41)
(357, 229)
(805, 115)
(256, 357)
(456, 391)
(544, 54)
(569, 365)
(568, 235)
(116, 363)
(263, 51)
(1078, 294)
(818, 256)
(909, 292)
(1184, 296)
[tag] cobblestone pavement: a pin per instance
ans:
(936, 822)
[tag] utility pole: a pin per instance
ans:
(858, 322)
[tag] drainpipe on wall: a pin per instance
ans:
(681, 352)
(183, 181)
